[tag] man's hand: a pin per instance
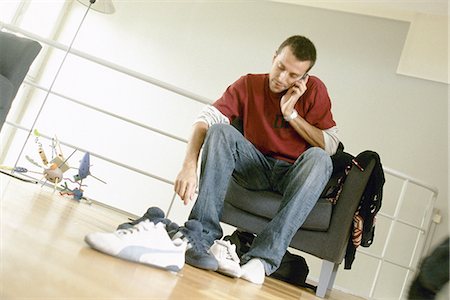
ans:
(311, 134)
(186, 183)
(291, 97)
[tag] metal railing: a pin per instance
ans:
(108, 64)
(423, 230)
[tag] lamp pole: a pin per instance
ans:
(52, 84)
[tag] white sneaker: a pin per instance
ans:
(145, 243)
(225, 253)
(254, 271)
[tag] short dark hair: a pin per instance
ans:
(302, 48)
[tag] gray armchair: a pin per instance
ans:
(326, 231)
(16, 56)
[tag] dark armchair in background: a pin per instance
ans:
(325, 233)
(16, 56)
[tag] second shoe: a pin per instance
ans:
(153, 214)
(226, 256)
(145, 243)
(197, 253)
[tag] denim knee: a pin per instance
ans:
(218, 132)
(319, 158)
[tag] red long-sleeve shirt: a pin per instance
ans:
(251, 99)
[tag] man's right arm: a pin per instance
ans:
(186, 181)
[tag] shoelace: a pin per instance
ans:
(142, 226)
(231, 252)
(180, 235)
(191, 241)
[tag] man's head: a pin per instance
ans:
(293, 59)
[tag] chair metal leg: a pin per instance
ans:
(327, 277)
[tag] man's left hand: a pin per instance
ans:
(291, 97)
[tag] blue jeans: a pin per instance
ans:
(227, 153)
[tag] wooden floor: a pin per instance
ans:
(43, 256)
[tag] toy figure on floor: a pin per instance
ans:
(53, 170)
(83, 172)
(17, 170)
(77, 193)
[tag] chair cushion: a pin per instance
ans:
(265, 204)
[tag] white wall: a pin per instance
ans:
(425, 52)
(203, 47)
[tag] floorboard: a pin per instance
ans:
(43, 256)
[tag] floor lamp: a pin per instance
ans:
(103, 6)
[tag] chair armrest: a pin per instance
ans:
(16, 56)
(331, 245)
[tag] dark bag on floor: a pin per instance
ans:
(293, 268)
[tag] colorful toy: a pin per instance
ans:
(18, 170)
(76, 193)
(54, 169)
(84, 169)
(83, 172)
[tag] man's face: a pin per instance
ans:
(286, 70)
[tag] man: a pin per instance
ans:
(289, 135)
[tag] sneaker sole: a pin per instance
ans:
(167, 260)
(230, 272)
(202, 265)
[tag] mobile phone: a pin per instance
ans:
(302, 78)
